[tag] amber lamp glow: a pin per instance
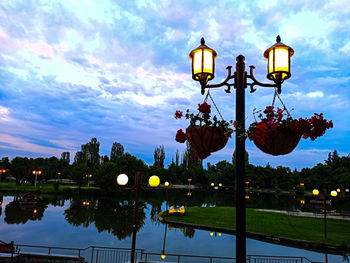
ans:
(334, 193)
(278, 65)
(203, 63)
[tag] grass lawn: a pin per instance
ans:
(42, 188)
(269, 223)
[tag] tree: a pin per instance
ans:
(159, 156)
(188, 156)
(89, 155)
(246, 158)
(20, 168)
(116, 151)
(177, 157)
(106, 176)
(78, 174)
(65, 156)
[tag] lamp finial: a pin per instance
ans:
(278, 39)
(202, 41)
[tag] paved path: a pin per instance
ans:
(308, 214)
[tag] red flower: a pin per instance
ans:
(180, 136)
(204, 108)
(178, 114)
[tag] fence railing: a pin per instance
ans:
(98, 254)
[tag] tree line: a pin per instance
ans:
(332, 174)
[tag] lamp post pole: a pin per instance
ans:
(241, 84)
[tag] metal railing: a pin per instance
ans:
(98, 254)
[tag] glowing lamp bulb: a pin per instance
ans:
(154, 181)
(334, 193)
(315, 192)
(122, 179)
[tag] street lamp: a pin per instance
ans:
(36, 176)
(88, 176)
(166, 184)
(2, 171)
(324, 197)
(122, 179)
(203, 66)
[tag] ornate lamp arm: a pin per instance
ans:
(251, 76)
(256, 82)
(224, 83)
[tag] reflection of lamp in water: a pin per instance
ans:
(163, 250)
(302, 202)
(122, 179)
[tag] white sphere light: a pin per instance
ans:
(122, 179)
(166, 184)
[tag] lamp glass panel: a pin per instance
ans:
(197, 61)
(281, 59)
(208, 61)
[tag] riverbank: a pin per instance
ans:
(298, 231)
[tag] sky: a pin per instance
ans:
(118, 70)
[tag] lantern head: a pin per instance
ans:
(154, 181)
(315, 192)
(334, 193)
(278, 65)
(122, 179)
(203, 64)
(166, 184)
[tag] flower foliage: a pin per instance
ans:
(180, 136)
(271, 120)
(202, 118)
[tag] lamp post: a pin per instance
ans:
(122, 179)
(166, 184)
(88, 176)
(36, 176)
(2, 171)
(324, 197)
(278, 66)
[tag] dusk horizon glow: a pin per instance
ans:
(118, 71)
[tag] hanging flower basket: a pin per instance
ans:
(278, 136)
(204, 134)
(279, 142)
(206, 139)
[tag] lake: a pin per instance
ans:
(80, 222)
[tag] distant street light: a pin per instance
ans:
(122, 179)
(166, 184)
(324, 197)
(88, 176)
(2, 171)
(36, 176)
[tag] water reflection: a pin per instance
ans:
(114, 215)
(27, 207)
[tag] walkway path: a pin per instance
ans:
(307, 214)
